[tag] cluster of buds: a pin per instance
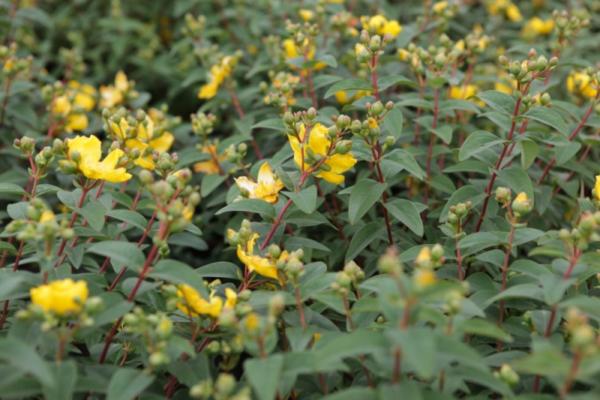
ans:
(568, 24)
(533, 67)
(586, 231)
(517, 208)
(43, 158)
(176, 199)
(72, 62)
(281, 91)
(369, 129)
(303, 34)
(434, 59)
(203, 124)
(194, 26)
(428, 259)
(291, 264)
(154, 330)
(389, 263)
(453, 301)
(456, 215)
(344, 23)
(225, 387)
(258, 331)
(583, 338)
(370, 47)
(347, 279)
(444, 12)
(39, 224)
(13, 65)
(475, 43)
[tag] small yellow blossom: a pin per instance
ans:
(114, 95)
(537, 27)
(343, 97)
(292, 51)
(255, 263)
(252, 322)
(193, 304)
(439, 6)
(378, 24)
(61, 106)
(76, 123)
(424, 255)
(266, 187)
(319, 145)
(583, 84)
(505, 8)
(597, 188)
(218, 73)
(60, 297)
(424, 277)
(230, 298)
(306, 15)
(211, 166)
(89, 152)
(84, 95)
(47, 216)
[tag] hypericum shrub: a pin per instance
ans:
(267, 199)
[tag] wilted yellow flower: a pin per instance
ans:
(266, 187)
(255, 263)
(193, 304)
(381, 25)
(145, 136)
(60, 297)
(114, 95)
(89, 152)
(218, 73)
(583, 84)
(537, 27)
(319, 144)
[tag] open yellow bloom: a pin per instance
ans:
(112, 96)
(381, 25)
(47, 216)
(583, 84)
(266, 187)
(145, 136)
(292, 51)
(210, 167)
(306, 15)
(463, 92)
(193, 304)
(84, 95)
(76, 123)
(218, 73)
(255, 263)
(439, 6)
(343, 97)
(89, 151)
(597, 188)
(537, 27)
(60, 297)
(319, 144)
(505, 8)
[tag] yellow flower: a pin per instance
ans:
(230, 298)
(84, 95)
(292, 51)
(506, 8)
(61, 106)
(319, 144)
(424, 277)
(464, 92)
(597, 188)
(380, 25)
(192, 304)
(210, 167)
(513, 13)
(255, 263)
(439, 7)
(76, 122)
(89, 151)
(424, 255)
(143, 137)
(581, 83)
(218, 73)
(537, 27)
(306, 15)
(60, 297)
(111, 96)
(266, 187)
(252, 322)
(47, 216)
(342, 97)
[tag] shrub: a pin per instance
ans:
(328, 198)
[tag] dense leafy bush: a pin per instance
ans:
(299, 199)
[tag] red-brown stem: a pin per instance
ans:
(548, 331)
(564, 391)
(63, 243)
(374, 83)
(376, 152)
(503, 154)
(300, 308)
(240, 111)
(572, 136)
(436, 101)
(396, 374)
(7, 86)
(459, 258)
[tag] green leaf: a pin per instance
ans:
(219, 269)
(249, 205)
(130, 217)
(11, 189)
(482, 327)
(94, 213)
(347, 84)
(305, 200)
(65, 375)
(443, 132)
(398, 160)
(516, 179)
(391, 80)
(120, 253)
(127, 384)
(364, 237)
(177, 272)
(353, 393)
(529, 152)
(22, 356)
(522, 291)
(275, 124)
(566, 152)
(364, 194)
(418, 349)
(545, 360)
(406, 212)
(393, 122)
(264, 375)
(498, 101)
(548, 117)
(210, 183)
(477, 142)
